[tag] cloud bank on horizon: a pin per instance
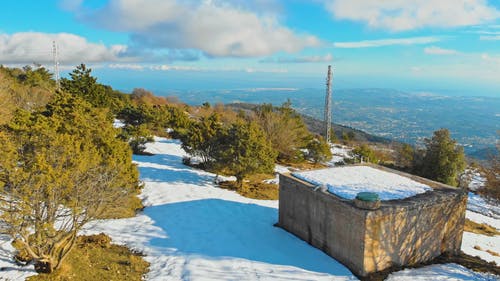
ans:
(459, 37)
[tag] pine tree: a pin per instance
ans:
(61, 167)
(202, 139)
(365, 153)
(83, 84)
(285, 129)
(245, 150)
(405, 156)
(318, 150)
(443, 160)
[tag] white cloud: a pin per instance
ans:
(398, 15)
(29, 47)
(416, 69)
(300, 59)
(70, 5)
(165, 67)
(219, 28)
(433, 50)
(387, 42)
(489, 37)
(169, 67)
(487, 32)
(127, 66)
(491, 59)
(258, 70)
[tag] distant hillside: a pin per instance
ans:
(317, 126)
(485, 153)
(401, 116)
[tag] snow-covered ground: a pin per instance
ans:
(474, 177)
(278, 169)
(118, 123)
(480, 205)
(476, 244)
(191, 230)
(440, 272)
(9, 271)
(348, 181)
(339, 153)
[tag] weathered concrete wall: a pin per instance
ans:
(414, 230)
(323, 220)
(401, 232)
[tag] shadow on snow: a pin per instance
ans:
(219, 228)
(169, 168)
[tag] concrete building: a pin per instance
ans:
(373, 237)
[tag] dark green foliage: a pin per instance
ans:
(144, 120)
(443, 159)
(285, 130)
(348, 136)
(245, 150)
(203, 139)
(39, 76)
(61, 167)
(84, 85)
(179, 119)
(156, 117)
(365, 153)
(318, 150)
(404, 156)
(137, 136)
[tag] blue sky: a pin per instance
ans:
(445, 46)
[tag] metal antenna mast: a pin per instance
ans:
(328, 105)
(56, 63)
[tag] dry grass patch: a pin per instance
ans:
(493, 253)
(480, 228)
(254, 187)
(306, 165)
(95, 258)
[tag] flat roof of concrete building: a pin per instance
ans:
(348, 181)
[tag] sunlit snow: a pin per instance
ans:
(348, 181)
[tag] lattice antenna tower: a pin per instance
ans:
(55, 54)
(328, 105)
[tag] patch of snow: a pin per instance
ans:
(480, 218)
(281, 169)
(440, 272)
(9, 270)
(341, 150)
(275, 180)
(348, 181)
(191, 230)
(477, 182)
(475, 179)
(117, 123)
(278, 169)
(339, 153)
(469, 240)
(480, 205)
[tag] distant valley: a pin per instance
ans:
(407, 117)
